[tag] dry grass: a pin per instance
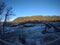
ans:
(36, 18)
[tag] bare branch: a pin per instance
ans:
(2, 7)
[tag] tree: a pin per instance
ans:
(8, 12)
(2, 7)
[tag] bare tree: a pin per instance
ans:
(8, 13)
(2, 7)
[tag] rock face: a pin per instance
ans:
(30, 33)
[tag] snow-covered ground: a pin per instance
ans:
(30, 34)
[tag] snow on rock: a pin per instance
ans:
(31, 33)
(51, 30)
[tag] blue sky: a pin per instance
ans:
(34, 7)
